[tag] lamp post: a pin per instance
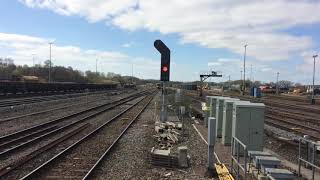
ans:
(244, 68)
(33, 68)
(241, 92)
(314, 69)
(50, 43)
(277, 89)
(96, 66)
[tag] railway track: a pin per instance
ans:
(11, 143)
(14, 141)
(293, 126)
(80, 160)
(45, 111)
(291, 118)
(23, 101)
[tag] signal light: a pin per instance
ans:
(165, 60)
(164, 68)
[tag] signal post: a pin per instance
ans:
(164, 76)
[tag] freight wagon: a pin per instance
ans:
(14, 87)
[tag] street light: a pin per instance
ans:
(50, 43)
(314, 69)
(240, 83)
(33, 64)
(244, 68)
(277, 90)
(97, 66)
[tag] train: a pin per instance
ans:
(14, 87)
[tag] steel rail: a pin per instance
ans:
(57, 120)
(9, 168)
(9, 150)
(35, 172)
(274, 123)
(98, 162)
(30, 100)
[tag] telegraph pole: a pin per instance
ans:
(244, 68)
(229, 82)
(96, 66)
(241, 92)
(251, 82)
(50, 43)
(277, 83)
(132, 73)
(314, 69)
(33, 68)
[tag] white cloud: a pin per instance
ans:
(21, 48)
(211, 23)
(93, 10)
(127, 45)
(229, 24)
(214, 64)
(266, 69)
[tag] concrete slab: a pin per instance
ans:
(266, 161)
(306, 173)
(279, 173)
(253, 154)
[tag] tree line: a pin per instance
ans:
(11, 72)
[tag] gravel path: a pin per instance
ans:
(130, 158)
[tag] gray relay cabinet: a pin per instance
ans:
(227, 120)
(248, 124)
(219, 115)
(212, 103)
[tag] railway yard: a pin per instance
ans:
(287, 119)
(47, 134)
(109, 134)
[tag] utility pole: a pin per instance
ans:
(33, 68)
(314, 69)
(241, 92)
(244, 68)
(132, 73)
(50, 43)
(277, 83)
(96, 66)
(229, 82)
(251, 82)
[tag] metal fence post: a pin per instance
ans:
(299, 159)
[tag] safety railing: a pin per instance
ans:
(238, 152)
(311, 155)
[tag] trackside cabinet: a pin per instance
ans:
(227, 121)
(248, 124)
(212, 105)
(219, 115)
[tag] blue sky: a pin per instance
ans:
(202, 35)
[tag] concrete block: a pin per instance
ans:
(183, 156)
(161, 152)
(266, 161)
(253, 154)
(279, 173)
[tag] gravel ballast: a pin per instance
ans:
(130, 158)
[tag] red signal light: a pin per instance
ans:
(164, 68)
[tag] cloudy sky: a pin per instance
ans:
(282, 36)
